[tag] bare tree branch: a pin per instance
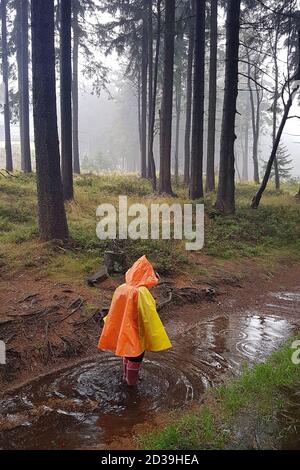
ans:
(255, 81)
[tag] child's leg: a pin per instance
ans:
(133, 367)
(132, 375)
(125, 363)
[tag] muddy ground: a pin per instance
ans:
(238, 315)
(49, 325)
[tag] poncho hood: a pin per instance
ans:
(141, 273)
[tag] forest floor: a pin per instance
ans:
(47, 324)
(50, 318)
(259, 410)
(214, 337)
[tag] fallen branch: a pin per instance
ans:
(29, 296)
(75, 309)
(36, 313)
(48, 342)
(187, 295)
(71, 346)
(100, 313)
(164, 302)
(99, 276)
(75, 302)
(10, 174)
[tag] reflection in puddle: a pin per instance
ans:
(89, 405)
(290, 296)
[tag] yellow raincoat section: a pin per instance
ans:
(152, 333)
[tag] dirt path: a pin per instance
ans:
(88, 405)
(48, 325)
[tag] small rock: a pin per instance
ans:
(99, 276)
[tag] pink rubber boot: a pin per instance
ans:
(125, 363)
(132, 374)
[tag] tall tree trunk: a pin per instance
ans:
(275, 104)
(66, 98)
(178, 95)
(178, 115)
(189, 91)
(154, 93)
(211, 132)
(150, 83)
(23, 83)
(226, 188)
(26, 154)
(246, 150)
(139, 110)
(254, 129)
(237, 170)
(167, 100)
(19, 68)
(196, 178)
(76, 160)
(51, 212)
(258, 104)
(8, 151)
(144, 93)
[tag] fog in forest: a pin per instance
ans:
(109, 127)
(108, 132)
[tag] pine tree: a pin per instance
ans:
(51, 212)
(165, 185)
(23, 82)
(283, 162)
(211, 133)
(196, 178)
(5, 71)
(66, 98)
(225, 203)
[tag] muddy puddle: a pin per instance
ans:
(89, 406)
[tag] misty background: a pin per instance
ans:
(108, 119)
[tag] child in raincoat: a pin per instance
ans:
(132, 325)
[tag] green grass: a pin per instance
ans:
(253, 232)
(186, 433)
(258, 390)
(271, 232)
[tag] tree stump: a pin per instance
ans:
(115, 261)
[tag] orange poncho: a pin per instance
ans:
(132, 325)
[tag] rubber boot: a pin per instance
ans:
(132, 373)
(125, 362)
